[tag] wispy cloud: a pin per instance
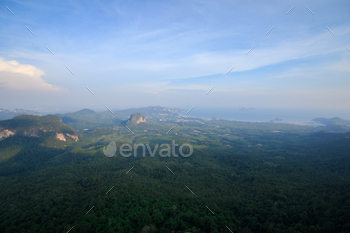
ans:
(160, 51)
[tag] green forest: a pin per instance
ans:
(241, 177)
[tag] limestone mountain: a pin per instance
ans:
(89, 120)
(27, 141)
(136, 118)
(151, 111)
(36, 126)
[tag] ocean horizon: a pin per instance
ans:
(265, 115)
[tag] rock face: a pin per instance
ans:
(73, 137)
(6, 133)
(35, 126)
(141, 120)
(60, 136)
(137, 118)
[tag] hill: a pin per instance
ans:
(254, 177)
(34, 126)
(151, 111)
(33, 134)
(136, 118)
(88, 119)
(335, 124)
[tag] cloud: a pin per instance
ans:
(179, 63)
(16, 76)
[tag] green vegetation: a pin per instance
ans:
(334, 124)
(27, 122)
(32, 134)
(255, 177)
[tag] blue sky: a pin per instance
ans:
(170, 53)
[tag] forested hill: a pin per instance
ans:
(87, 119)
(25, 138)
(242, 176)
(334, 124)
(24, 124)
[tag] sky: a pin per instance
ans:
(283, 54)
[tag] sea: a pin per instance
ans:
(265, 115)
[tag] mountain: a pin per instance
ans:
(27, 142)
(88, 119)
(335, 124)
(332, 121)
(151, 111)
(292, 178)
(23, 133)
(136, 118)
(34, 126)
(86, 114)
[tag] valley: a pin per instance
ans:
(242, 176)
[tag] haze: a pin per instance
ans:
(171, 53)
